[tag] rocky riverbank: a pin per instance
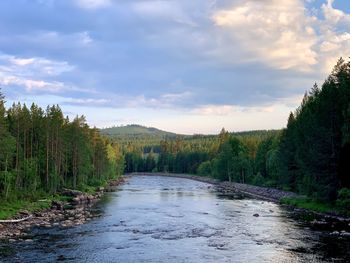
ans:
(61, 214)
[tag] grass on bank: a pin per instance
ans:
(308, 203)
(40, 200)
(341, 206)
(313, 205)
(9, 209)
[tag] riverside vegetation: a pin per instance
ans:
(42, 152)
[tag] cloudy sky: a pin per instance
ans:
(185, 66)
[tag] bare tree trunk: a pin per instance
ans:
(7, 183)
(47, 159)
(17, 155)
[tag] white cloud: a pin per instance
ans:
(279, 33)
(175, 97)
(31, 85)
(93, 4)
(85, 101)
(168, 10)
(164, 101)
(55, 40)
(230, 110)
(31, 73)
(22, 61)
(334, 36)
(37, 66)
(35, 74)
(85, 38)
(334, 16)
(215, 110)
(284, 34)
(167, 100)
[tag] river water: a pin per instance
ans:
(165, 219)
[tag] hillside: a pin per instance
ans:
(139, 131)
(135, 130)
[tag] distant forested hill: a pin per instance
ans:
(135, 130)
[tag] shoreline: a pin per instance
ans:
(61, 213)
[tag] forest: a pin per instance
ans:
(41, 151)
(310, 156)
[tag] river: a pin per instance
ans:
(164, 219)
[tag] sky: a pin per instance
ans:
(183, 66)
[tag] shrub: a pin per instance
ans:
(343, 201)
(204, 169)
(258, 179)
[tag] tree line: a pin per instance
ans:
(42, 151)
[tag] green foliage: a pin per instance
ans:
(343, 201)
(258, 180)
(309, 203)
(9, 209)
(205, 169)
(90, 189)
(134, 130)
(314, 145)
(42, 152)
(232, 161)
(7, 182)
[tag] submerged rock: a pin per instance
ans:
(344, 234)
